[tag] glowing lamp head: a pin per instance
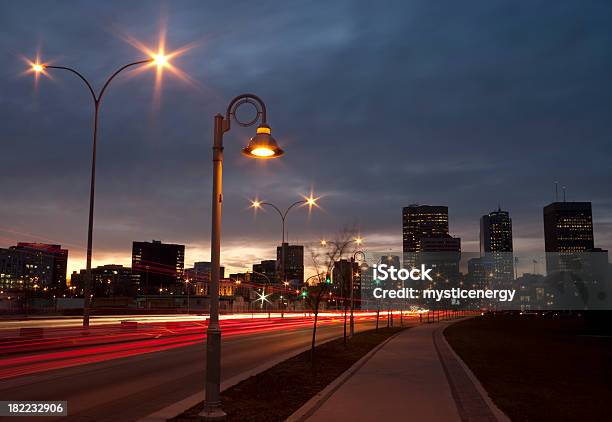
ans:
(311, 201)
(263, 145)
(359, 240)
(37, 67)
(256, 204)
(160, 60)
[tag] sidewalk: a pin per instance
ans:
(414, 376)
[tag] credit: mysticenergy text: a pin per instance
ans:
(384, 272)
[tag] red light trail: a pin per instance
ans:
(70, 346)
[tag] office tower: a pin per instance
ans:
(423, 222)
(496, 232)
(496, 247)
(426, 240)
(568, 230)
(107, 281)
(159, 266)
(568, 227)
(34, 266)
(293, 271)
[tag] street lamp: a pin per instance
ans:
(262, 146)
(353, 259)
(263, 296)
(309, 200)
(188, 291)
(160, 61)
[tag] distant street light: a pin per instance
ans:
(40, 68)
(311, 201)
(262, 146)
(352, 319)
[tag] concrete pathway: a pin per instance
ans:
(414, 376)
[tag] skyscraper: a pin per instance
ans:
(568, 227)
(426, 240)
(158, 265)
(568, 230)
(496, 232)
(294, 264)
(423, 222)
(495, 248)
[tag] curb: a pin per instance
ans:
(312, 405)
(499, 415)
(179, 407)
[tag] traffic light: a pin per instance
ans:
(304, 293)
(327, 278)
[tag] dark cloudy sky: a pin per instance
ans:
(378, 105)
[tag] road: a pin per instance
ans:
(126, 389)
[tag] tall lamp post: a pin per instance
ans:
(310, 201)
(160, 60)
(352, 319)
(262, 146)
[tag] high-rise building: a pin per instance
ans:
(34, 266)
(496, 248)
(423, 222)
(158, 266)
(568, 230)
(293, 271)
(568, 227)
(496, 232)
(426, 240)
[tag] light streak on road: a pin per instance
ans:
(65, 346)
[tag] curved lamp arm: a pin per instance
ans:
(118, 71)
(237, 102)
(93, 94)
(98, 97)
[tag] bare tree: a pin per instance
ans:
(323, 258)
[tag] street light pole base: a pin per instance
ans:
(212, 414)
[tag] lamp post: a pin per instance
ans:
(188, 291)
(159, 60)
(310, 201)
(263, 146)
(352, 320)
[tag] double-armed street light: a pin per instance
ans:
(309, 201)
(262, 146)
(160, 60)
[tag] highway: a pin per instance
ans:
(142, 376)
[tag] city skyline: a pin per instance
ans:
(441, 224)
(528, 114)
